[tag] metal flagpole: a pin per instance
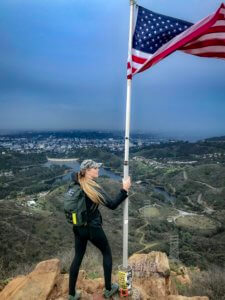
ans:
(127, 137)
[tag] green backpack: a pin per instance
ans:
(75, 206)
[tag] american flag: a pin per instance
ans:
(156, 36)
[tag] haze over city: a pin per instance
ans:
(63, 66)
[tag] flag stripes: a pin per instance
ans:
(160, 35)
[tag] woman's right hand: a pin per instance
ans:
(126, 184)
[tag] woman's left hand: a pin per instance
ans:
(126, 184)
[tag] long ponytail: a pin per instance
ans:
(90, 187)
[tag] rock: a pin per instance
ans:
(181, 275)
(183, 279)
(63, 284)
(60, 287)
(151, 274)
(35, 286)
(172, 273)
(82, 275)
(11, 287)
(151, 281)
(172, 297)
(136, 295)
(146, 265)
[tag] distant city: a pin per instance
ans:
(65, 142)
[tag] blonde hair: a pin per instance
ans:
(89, 187)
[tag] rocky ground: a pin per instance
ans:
(152, 280)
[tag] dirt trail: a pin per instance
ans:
(189, 200)
(199, 200)
(141, 241)
(185, 175)
(218, 190)
(209, 186)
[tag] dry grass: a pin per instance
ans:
(209, 283)
(92, 261)
(196, 222)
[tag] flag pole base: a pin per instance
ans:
(125, 280)
(124, 292)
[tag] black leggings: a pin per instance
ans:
(97, 236)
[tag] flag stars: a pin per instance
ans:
(155, 30)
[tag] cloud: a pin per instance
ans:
(64, 63)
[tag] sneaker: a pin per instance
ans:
(76, 297)
(114, 289)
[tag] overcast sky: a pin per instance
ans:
(63, 66)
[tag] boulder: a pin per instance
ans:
(148, 265)
(35, 286)
(151, 274)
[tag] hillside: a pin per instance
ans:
(169, 197)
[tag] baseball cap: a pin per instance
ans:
(88, 164)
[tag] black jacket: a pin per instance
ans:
(94, 217)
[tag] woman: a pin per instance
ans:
(92, 231)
